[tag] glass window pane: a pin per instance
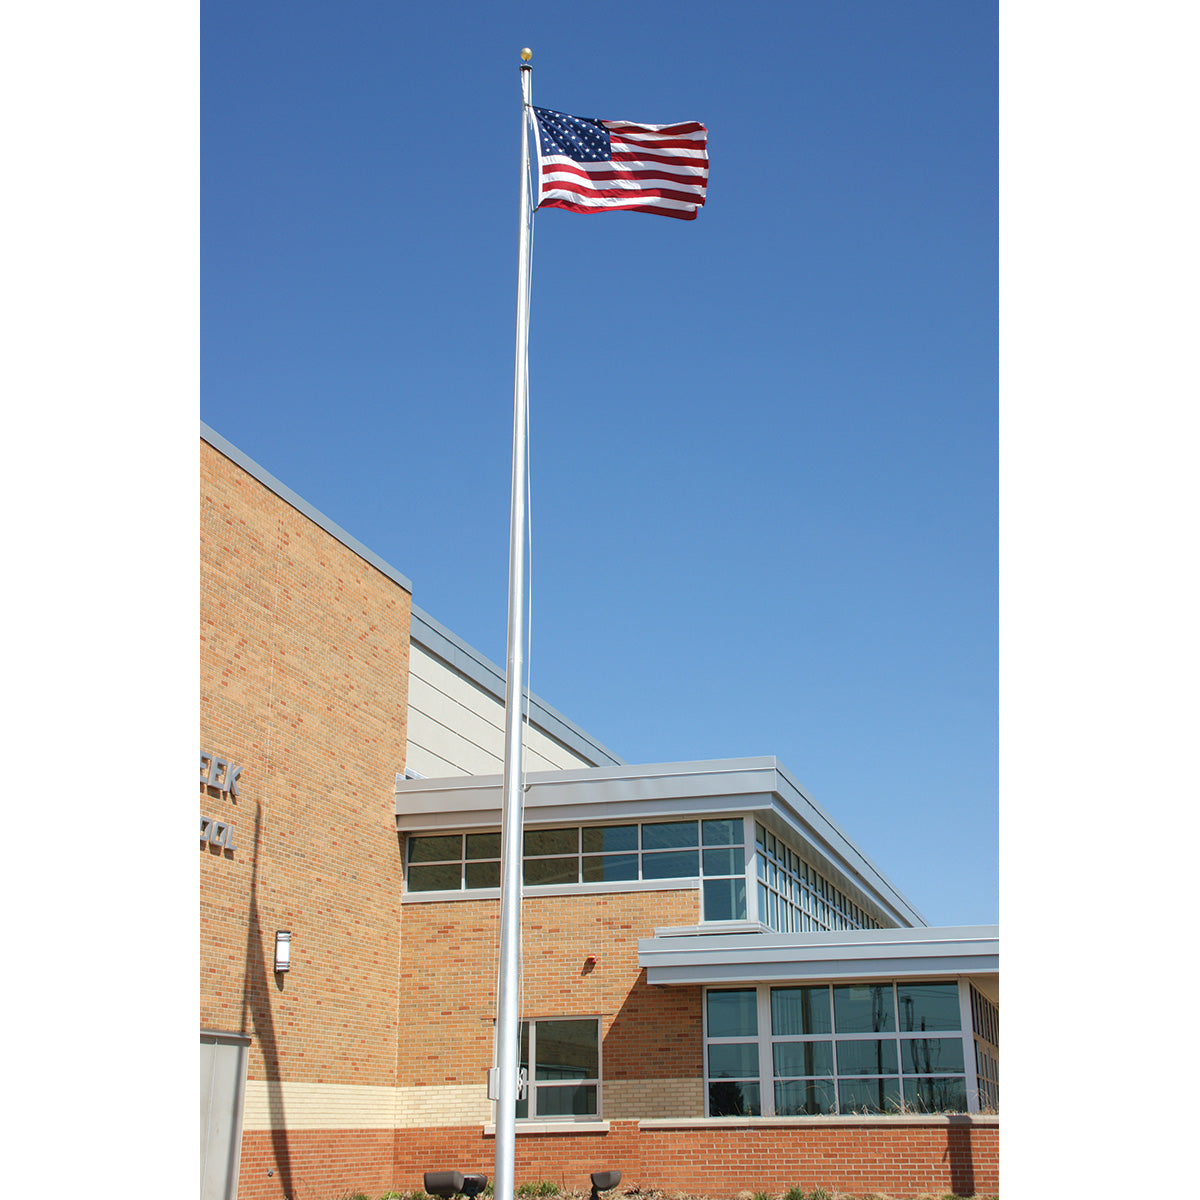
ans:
(483, 874)
(869, 1057)
(869, 1095)
(929, 1006)
(434, 849)
(733, 1014)
(733, 1060)
(803, 1058)
(864, 1008)
(551, 841)
(597, 868)
(724, 899)
(673, 864)
(800, 1010)
(725, 861)
(929, 1056)
(567, 1050)
(578, 1100)
(805, 1098)
(724, 832)
(729, 1099)
(551, 870)
(610, 837)
(668, 835)
(483, 845)
(435, 878)
(935, 1095)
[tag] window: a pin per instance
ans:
(814, 1049)
(731, 1054)
(562, 1058)
(985, 1021)
(712, 850)
(793, 897)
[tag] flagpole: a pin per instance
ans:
(508, 1006)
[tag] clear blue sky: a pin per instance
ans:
(764, 443)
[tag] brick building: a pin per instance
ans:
(719, 989)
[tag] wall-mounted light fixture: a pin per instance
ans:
(283, 950)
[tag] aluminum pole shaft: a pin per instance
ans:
(509, 990)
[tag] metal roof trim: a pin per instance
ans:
(285, 493)
(860, 953)
(442, 643)
(630, 791)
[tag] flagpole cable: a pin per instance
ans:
(532, 225)
(507, 1044)
(529, 559)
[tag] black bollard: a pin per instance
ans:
(444, 1183)
(602, 1181)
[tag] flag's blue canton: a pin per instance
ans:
(576, 137)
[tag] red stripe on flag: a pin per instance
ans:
(622, 193)
(688, 214)
(628, 127)
(606, 174)
(657, 144)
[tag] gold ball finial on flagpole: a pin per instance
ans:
(526, 54)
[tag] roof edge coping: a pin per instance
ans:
(302, 506)
(441, 642)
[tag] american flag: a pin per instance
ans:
(587, 165)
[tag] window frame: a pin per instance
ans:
(777, 886)
(741, 854)
(533, 1084)
(766, 1039)
(791, 895)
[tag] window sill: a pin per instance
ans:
(683, 883)
(489, 1130)
(809, 1122)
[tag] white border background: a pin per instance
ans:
(1098, 595)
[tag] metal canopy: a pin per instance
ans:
(679, 956)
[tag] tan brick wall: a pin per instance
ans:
(304, 672)
(448, 978)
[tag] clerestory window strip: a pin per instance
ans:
(794, 897)
(709, 849)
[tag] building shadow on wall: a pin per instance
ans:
(962, 1164)
(655, 1034)
(260, 978)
